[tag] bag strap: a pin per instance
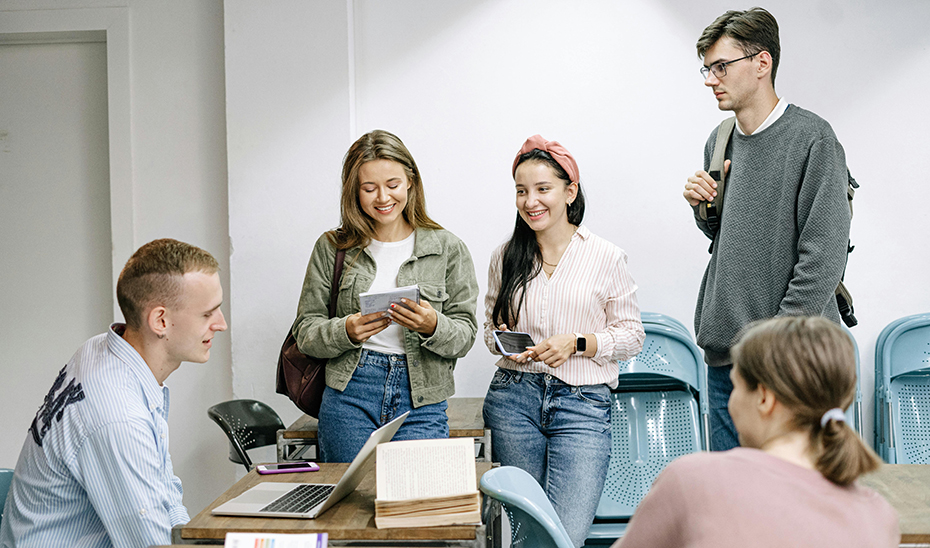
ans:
(844, 300)
(337, 276)
(711, 211)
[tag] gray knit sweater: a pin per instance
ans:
(781, 249)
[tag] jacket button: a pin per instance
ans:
(420, 399)
(416, 363)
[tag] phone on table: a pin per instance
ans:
(511, 343)
(285, 467)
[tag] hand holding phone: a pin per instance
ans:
(285, 467)
(512, 343)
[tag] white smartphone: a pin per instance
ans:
(511, 343)
(284, 467)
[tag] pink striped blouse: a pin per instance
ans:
(589, 292)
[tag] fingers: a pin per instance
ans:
(419, 317)
(700, 187)
(360, 328)
(522, 357)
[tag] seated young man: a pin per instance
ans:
(94, 470)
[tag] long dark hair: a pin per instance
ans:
(521, 260)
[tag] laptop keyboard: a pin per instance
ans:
(300, 499)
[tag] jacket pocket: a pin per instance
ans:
(434, 294)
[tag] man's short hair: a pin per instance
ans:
(753, 30)
(152, 276)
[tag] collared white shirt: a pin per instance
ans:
(773, 116)
(95, 470)
(590, 291)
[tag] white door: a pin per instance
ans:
(55, 240)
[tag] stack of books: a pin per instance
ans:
(427, 483)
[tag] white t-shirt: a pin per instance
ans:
(389, 256)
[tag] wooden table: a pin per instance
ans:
(465, 421)
(907, 488)
(349, 523)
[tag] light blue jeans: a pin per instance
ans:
(557, 432)
(378, 392)
(723, 435)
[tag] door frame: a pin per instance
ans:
(110, 25)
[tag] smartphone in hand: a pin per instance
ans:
(511, 343)
(285, 467)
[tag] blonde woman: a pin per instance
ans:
(793, 481)
(383, 365)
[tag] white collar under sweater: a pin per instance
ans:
(776, 113)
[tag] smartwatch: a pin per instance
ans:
(581, 344)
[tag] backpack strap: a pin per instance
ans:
(844, 300)
(712, 211)
(337, 277)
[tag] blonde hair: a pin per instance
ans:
(809, 364)
(357, 228)
(152, 276)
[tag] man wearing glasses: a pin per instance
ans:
(780, 246)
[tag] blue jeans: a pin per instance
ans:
(722, 431)
(378, 391)
(557, 432)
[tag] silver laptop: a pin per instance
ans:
(307, 500)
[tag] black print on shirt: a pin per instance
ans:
(54, 406)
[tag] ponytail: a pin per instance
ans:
(843, 455)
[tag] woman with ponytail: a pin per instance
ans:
(548, 408)
(793, 481)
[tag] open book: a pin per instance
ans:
(426, 483)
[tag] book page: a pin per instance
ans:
(426, 468)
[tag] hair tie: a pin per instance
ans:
(833, 414)
(559, 153)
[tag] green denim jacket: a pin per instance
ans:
(441, 266)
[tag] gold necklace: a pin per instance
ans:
(550, 264)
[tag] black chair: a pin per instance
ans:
(248, 424)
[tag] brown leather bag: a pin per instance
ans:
(300, 377)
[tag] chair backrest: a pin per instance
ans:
(903, 391)
(658, 413)
(854, 413)
(648, 431)
(6, 477)
(533, 521)
(664, 319)
(248, 424)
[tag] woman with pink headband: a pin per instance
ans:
(549, 407)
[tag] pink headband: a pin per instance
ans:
(559, 153)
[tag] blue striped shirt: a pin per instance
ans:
(95, 470)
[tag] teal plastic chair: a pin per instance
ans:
(533, 521)
(6, 477)
(247, 424)
(658, 413)
(854, 413)
(665, 320)
(902, 391)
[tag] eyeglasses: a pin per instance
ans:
(720, 69)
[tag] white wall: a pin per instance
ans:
(178, 181)
(464, 83)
